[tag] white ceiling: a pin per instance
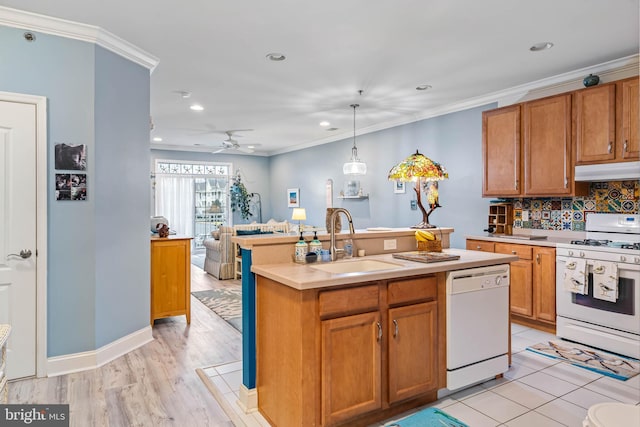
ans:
(216, 50)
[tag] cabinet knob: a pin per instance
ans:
(395, 328)
(478, 247)
(514, 252)
(379, 330)
(538, 258)
(625, 146)
(610, 147)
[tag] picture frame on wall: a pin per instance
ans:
(70, 157)
(293, 197)
(399, 187)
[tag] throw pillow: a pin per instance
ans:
(247, 232)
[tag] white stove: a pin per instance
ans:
(611, 322)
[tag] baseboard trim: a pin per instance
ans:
(69, 363)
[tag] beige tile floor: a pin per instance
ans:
(537, 391)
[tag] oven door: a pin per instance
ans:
(624, 314)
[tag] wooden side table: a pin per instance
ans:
(170, 277)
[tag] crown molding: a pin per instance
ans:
(608, 71)
(74, 30)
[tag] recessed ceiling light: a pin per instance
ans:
(157, 139)
(251, 146)
(541, 46)
(197, 107)
(423, 87)
(276, 57)
(325, 124)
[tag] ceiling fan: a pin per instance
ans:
(232, 144)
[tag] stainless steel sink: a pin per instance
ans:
(357, 266)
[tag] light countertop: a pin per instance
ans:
(550, 241)
(304, 276)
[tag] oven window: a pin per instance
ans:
(624, 304)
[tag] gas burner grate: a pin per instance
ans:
(591, 242)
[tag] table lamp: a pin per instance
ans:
(299, 214)
(419, 168)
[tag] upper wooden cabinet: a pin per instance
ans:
(527, 149)
(629, 140)
(605, 122)
(595, 123)
(547, 147)
(501, 151)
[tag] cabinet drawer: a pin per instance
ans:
(480, 245)
(523, 251)
(405, 291)
(349, 301)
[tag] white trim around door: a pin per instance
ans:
(40, 103)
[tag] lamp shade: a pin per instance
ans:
(418, 166)
(299, 214)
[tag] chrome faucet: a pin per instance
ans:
(334, 250)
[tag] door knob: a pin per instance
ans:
(24, 254)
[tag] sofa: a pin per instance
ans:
(220, 256)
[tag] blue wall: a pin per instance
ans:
(84, 243)
(121, 189)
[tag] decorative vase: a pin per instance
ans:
(591, 80)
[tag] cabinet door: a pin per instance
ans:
(170, 278)
(480, 245)
(521, 289)
(544, 283)
(630, 135)
(413, 350)
(501, 151)
(547, 146)
(594, 115)
(351, 366)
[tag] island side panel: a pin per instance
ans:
(287, 366)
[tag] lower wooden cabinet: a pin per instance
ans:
(348, 356)
(412, 333)
(170, 277)
(532, 292)
(351, 366)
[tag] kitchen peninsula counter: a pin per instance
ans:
(352, 349)
(305, 276)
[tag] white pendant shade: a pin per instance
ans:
(354, 167)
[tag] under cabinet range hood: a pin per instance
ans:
(622, 171)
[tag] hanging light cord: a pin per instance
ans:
(354, 150)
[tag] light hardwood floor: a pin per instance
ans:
(154, 385)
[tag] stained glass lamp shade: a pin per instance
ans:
(419, 168)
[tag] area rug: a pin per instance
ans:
(430, 417)
(225, 302)
(611, 365)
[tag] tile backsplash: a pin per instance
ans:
(570, 213)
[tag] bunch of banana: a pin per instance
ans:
(424, 235)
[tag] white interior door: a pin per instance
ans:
(18, 304)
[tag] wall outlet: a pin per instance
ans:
(414, 205)
(525, 215)
(390, 244)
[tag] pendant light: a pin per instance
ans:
(354, 166)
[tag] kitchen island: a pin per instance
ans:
(353, 348)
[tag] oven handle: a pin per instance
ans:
(622, 266)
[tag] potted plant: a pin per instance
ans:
(240, 198)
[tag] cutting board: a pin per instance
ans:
(420, 256)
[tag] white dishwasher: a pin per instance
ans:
(477, 324)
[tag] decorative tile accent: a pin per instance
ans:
(571, 213)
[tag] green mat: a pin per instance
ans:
(430, 417)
